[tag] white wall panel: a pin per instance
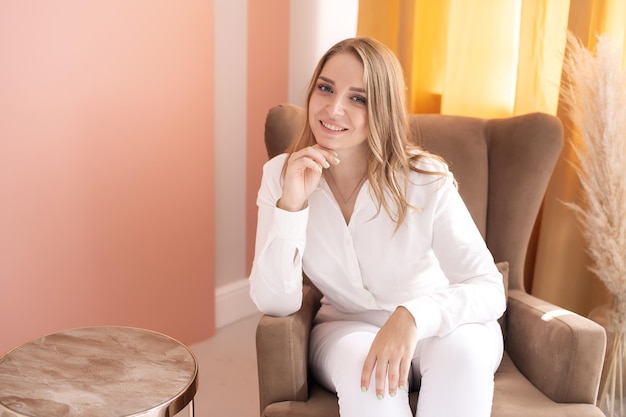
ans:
(314, 27)
(231, 23)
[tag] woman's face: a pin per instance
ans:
(338, 104)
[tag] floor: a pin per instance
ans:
(227, 373)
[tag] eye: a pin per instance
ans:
(324, 88)
(359, 99)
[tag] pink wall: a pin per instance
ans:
(268, 67)
(106, 177)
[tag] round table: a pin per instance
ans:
(98, 372)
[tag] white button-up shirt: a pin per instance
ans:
(436, 264)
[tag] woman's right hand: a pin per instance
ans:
(303, 174)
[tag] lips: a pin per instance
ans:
(332, 127)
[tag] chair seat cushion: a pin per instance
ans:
(514, 396)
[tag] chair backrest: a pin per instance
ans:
(502, 165)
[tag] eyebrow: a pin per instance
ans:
(329, 81)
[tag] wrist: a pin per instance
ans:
(405, 314)
(290, 206)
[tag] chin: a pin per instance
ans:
(329, 146)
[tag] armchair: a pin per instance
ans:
(553, 358)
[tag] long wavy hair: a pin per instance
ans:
(391, 154)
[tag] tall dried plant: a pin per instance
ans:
(594, 96)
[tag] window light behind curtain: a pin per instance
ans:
(462, 57)
(498, 58)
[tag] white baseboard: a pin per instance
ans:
(233, 303)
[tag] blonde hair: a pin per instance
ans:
(391, 154)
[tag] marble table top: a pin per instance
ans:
(98, 372)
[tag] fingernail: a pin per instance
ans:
(326, 164)
(401, 387)
(393, 394)
(379, 396)
(363, 389)
(337, 160)
(319, 169)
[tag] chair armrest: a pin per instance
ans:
(560, 352)
(282, 345)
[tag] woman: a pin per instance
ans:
(411, 292)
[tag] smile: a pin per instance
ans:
(332, 127)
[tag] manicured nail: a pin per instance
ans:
(319, 169)
(337, 160)
(379, 396)
(401, 387)
(326, 164)
(363, 389)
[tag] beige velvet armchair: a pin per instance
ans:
(553, 358)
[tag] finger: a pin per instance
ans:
(306, 161)
(405, 368)
(381, 378)
(366, 374)
(316, 154)
(393, 376)
(329, 155)
(314, 165)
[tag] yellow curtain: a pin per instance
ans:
(456, 51)
(561, 263)
(494, 58)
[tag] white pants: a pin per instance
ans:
(456, 371)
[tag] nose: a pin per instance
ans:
(336, 107)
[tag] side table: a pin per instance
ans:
(98, 372)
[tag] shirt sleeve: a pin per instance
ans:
(475, 293)
(276, 277)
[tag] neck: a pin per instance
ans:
(345, 190)
(353, 165)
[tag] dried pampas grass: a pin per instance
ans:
(595, 99)
(594, 96)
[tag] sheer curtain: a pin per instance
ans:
(494, 58)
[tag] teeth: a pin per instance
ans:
(331, 127)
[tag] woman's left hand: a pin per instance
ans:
(391, 354)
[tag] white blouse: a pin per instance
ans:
(436, 264)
